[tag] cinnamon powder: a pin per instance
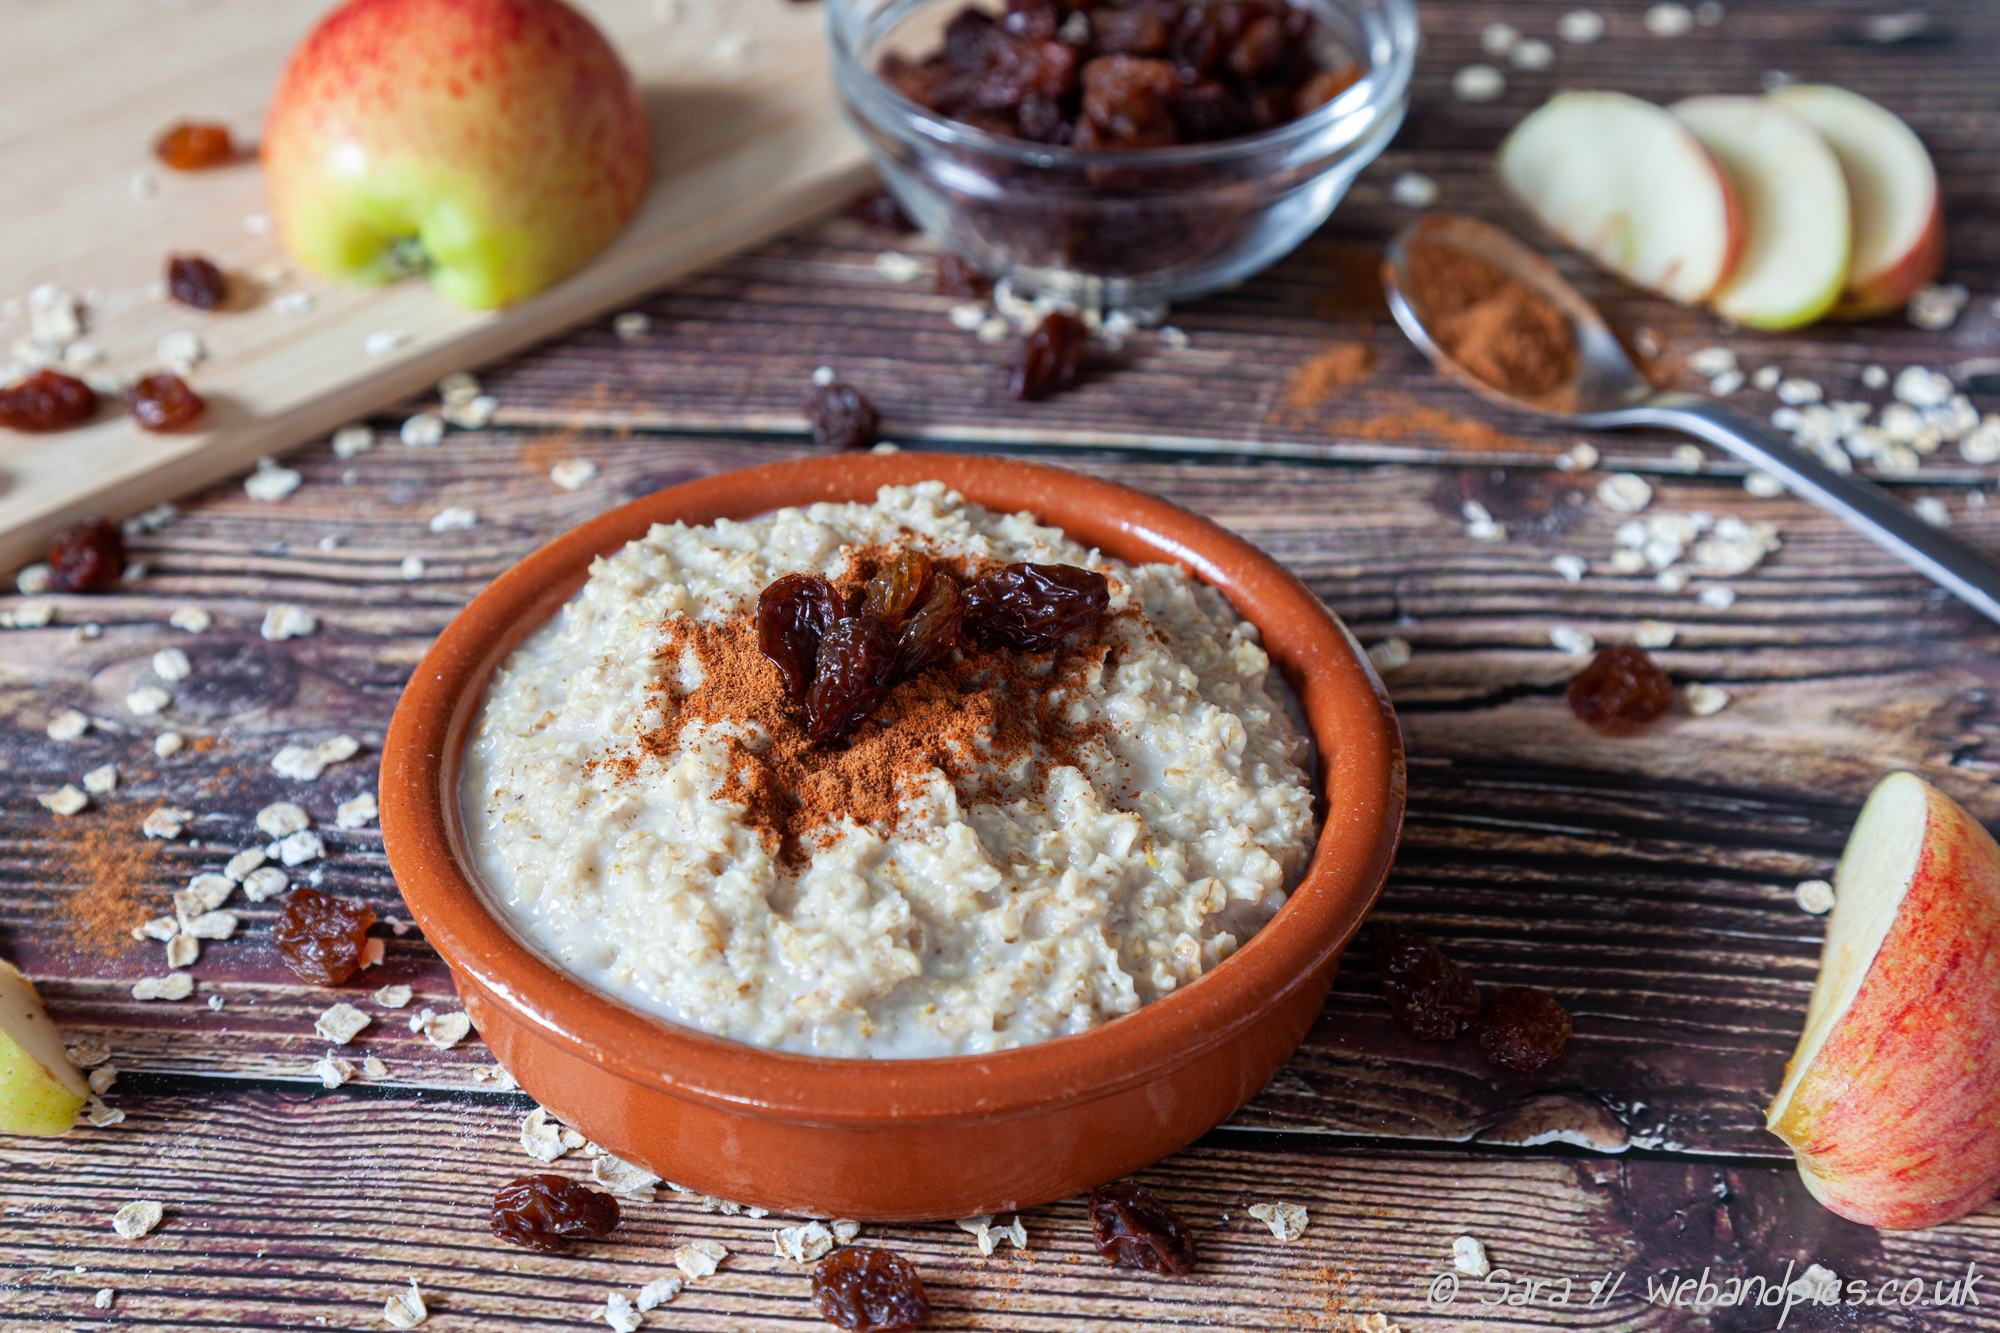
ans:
(1427, 425)
(1497, 328)
(108, 870)
(1336, 367)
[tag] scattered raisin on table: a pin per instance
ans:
(1431, 996)
(841, 416)
(1134, 1229)
(47, 400)
(958, 277)
(88, 557)
(793, 615)
(161, 401)
(857, 665)
(1523, 1029)
(321, 937)
(1049, 357)
(867, 1290)
(190, 146)
(1620, 691)
(542, 1211)
(194, 281)
(1033, 608)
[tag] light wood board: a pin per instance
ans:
(747, 141)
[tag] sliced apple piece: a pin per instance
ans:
(1794, 198)
(1629, 185)
(1892, 1101)
(1892, 190)
(40, 1090)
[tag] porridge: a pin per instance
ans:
(1011, 845)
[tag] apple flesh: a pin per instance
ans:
(1892, 1101)
(1631, 186)
(40, 1090)
(1892, 189)
(498, 143)
(1795, 209)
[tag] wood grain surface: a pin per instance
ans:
(1647, 881)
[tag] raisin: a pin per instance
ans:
(881, 210)
(932, 630)
(89, 557)
(857, 664)
(47, 400)
(190, 147)
(1523, 1029)
(898, 588)
(194, 281)
(540, 1212)
(1134, 1229)
(1018, 69)
(1033, 608)
(163, 402)
(1130, 32)
(957, 277)
(793, 615)
(1430, 995)
(1127, 103)
(1260, 48)
(1324, 86)
(1049, 357)
(841, 418)
(321, 937)
(869, 1291)
(1620, 691)
(1208, 111)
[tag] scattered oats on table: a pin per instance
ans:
(845, 1229)
(1711, 360)
(1653, 634)
(412, 568)
(147, 700)
(454, 519)
(571, 473)
(190, 617)
(174, 986)
(658, 1292)
(1669, 20)
(1413, 189)
(1579, 457)
(1497, 39)
(1815, 896)
(209, 926)
(1571, 567)
(282, 620)
(447, 1030)
(1571, 639)
(89, 1053)
(373, 1067)
(546, 1139)
(1468, 1256)
(1927, 507)
(355, 812)
(171, 664)
(301, 847)
(1624, 493)
(1689, 457)
(137, 1218)
(1717, 597)
(1531, 53)
(406, 1308)
(102, 1077)
(898, 267)
(183, 951)
(67, 799)
(265, 883)
(245, 861)
(384, 341)
(182, 351)
(271, 483)
(35, 613)
(99, 1115)
(281, 819)
(474, 413)
(1287, 1221)
(1478, 83)
(166, 821)
(68, 725)
(103, 1299)
(620, 1314)
(622, 1177)
(1704, 700)
(811, 1242)
(632, 324)
(341, 1023)
(699, 1258)
(352, 440)
(1390, 655)
(332, 1071)
(292, 303)
(393, 997)
(422, 431)
(1763, 485)
(1728, 382)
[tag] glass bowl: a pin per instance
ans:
(1120, 229)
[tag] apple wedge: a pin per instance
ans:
(1631, 186)
(1794, 198)
(40, 1090)
(1892, 189)
(1892, 1101)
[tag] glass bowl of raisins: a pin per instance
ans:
(1122, 153)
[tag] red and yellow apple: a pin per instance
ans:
(40, 1090)
(1892, 1101)
(497, 143)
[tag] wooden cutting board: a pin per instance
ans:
(747, 141)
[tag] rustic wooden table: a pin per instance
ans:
(1647, 881)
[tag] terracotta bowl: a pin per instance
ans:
(894, 1140)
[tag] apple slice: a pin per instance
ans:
(1892, 188)
(1796, 235)
(40, 1090)
(1628, 184)
(1892, 1101)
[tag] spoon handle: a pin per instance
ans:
(1863, 506)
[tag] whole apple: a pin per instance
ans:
(497, 143)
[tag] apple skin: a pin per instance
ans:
(1891, 288)
(506, 136)
(1896, 1123)
(40, 1090)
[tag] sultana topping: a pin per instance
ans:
(321, 937)
(1033, 608)
(932, 630)
(793, 615)
(190, 146)
(857, 665)
(958, 277)
(1620, 691)
(47, 400)
(194, 281)
(162, 401)
(841, 416)
(1523, 1029)
(897, 589)
(867, 1290)
(1432, 997)
(1049, 357)
(88, 557)
(1134, 1229)
(540, 1212)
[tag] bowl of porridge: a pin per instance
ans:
(893, 836)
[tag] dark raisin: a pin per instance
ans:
(932, 630)
(1128, 103)
(793, 615)
(194, 281)
(869, 1291)
(321, 937)
(189, 147)
(88, 557)
(163, 402)
(840, 416)
(1134, 1229)
(857, 665)
(540, 1212)
(1031, 68)
(898, 588)
(1323, 87)
(1049, 357)
(957, 277)
(1130, 32)
(1208, 111)
(1523, 1029)
(1033, 608)
(881, 210)
(1430, 995)
(1620, 691)
(47, 400)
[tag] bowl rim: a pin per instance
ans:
(1348, 711)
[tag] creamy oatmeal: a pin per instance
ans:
(1011, 849)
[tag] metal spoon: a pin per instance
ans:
(1609, 393)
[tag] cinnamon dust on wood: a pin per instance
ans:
(107, 870)
(1337, 366)
(1498, 329)
(1427, 425)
